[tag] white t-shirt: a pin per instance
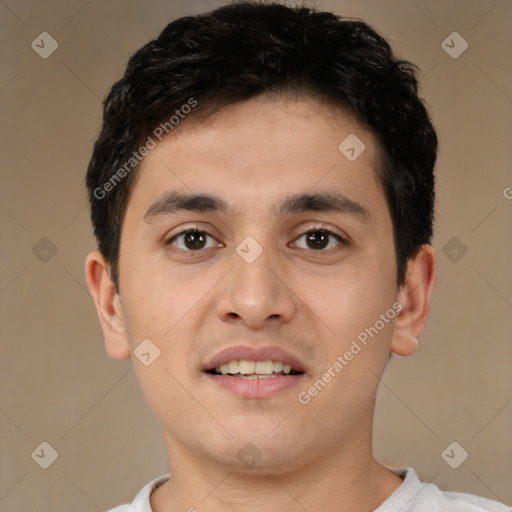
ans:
(411, 496)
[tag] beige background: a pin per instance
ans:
(58, 384)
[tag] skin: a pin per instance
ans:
(192, 304)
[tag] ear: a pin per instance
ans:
(414, 297)
(108, 305)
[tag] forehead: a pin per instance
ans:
(262, 148)
(284, 127)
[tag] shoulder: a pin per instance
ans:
(456, 502)
(471, 502)
(142, 503)
(415, 496)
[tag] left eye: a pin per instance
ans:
(319, 239)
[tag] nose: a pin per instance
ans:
(256, 292)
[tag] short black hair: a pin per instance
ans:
(202, 63)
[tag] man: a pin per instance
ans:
(262, 193)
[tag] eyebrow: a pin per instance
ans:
(174, 202)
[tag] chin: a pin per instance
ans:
(257, 447)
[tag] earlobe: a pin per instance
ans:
(403, 344)
(108, 306)
(415, 298)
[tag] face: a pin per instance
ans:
(267, 276)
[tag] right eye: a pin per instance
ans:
(193, 240)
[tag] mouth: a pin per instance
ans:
(245, 369)
(254, 373)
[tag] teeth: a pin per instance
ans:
(263, 369)
(278, 366)
(247, 367)
(254, 376)
(234, 367)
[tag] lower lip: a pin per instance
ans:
(255, 388)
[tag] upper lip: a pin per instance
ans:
(268, 353)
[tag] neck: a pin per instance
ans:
(346, 478)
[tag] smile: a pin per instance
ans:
(254, 379)
(254, 369)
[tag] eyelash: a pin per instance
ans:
(318, 229)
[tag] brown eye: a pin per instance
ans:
(319, 239)
(191, 240)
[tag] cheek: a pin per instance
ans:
(156, 296)
(168, 309)
(158, 318)
(348, 307)
(349, 297)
